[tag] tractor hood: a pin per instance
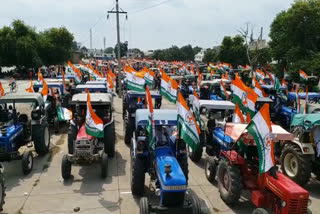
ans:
(82, 134)
(13, 132)
(173, 181)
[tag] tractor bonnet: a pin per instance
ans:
(161, 116)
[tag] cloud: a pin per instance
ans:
(176, 22)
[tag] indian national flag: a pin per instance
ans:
(30, 89)
(94, 125)
(1, 90)
(238, 88)
(303, 75)
(169, 87)
(136, 81)
(260, 129)
(258, 89)
(224, 93)
(64, 114)
(151, 123)
(237, 115)
(149, 76)
(64, 82)
(187, 125)
(45, 90)
(251, 100)
(260, 75)
(110, 84)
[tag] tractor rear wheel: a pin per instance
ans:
(196, 206)
(109, 140)
(56, 124)
(229, 182)
(65, 167)
(27, 162)
(144, 206)
(260, 211)
(41, 138)
(2, 191)
(210, 168)
(296, 165)
(195, 155)
(137, 175)
(128, 130)
(72, 135)
(183, 161)
(104, 165)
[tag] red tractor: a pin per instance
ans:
(238, 169)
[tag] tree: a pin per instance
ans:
(109, 50)
(295, 37)
(261, 57)
(196, 50)
(187, 53)
(211, 55)
(123, 49)
(233, 50)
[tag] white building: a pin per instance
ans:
(199, 56)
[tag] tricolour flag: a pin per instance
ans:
(136, 81)
(110, 84)
(303, 75)
(64, 114)
(169, 87)
(196, 107)
(151, 123)
(251, 100)
(94, 125)
(187, 125)
(260, 129)
(45, 90)
(238, 88)
(260, 75)
(30, 89)
(149, 76)
(237, 115)
(64, 82)
(259, 90)
(224, 93)
(1, 90)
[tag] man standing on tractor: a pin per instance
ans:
(12, 84)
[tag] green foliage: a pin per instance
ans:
(137, 51)
(211, 55)
(109, 50)
(185, 53)
(233, 50)
(22, 46)
(295, 38)
(123, 49)
(196, 50)
(261, 57)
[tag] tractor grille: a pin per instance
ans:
(296, 207)
(3, 149)
(173, 198)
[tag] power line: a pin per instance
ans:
(152, 6)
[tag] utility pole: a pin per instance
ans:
(90, 38)
(117, 12)
(104, 43)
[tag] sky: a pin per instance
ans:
(151, 24)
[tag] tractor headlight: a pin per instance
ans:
(309, 202)
(283, 203)
(35, 115)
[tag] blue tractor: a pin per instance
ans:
(132, 101)
(18, 130)
(166, 162)
(210, 89)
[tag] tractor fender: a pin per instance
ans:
(306, 148)
(107, 124)
(233, 157)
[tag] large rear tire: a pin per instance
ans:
(229, 182)
(66, 167)
(296, 165)
(72, 135)
(137, 175)
(2, 191)
(196, 206)
(195, 155)
(41, 138)
(260, 211)
(210, 169)
(109, 140)
(128, 130)
(144, 206)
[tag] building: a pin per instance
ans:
(199, 56)
(258, 44)
(99, 54)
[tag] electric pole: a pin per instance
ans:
(117, 12)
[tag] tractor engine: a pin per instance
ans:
(84, 144)
(172, 181)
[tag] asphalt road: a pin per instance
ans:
(44, 191)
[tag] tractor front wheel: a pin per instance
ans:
(210, 168)
(27, 162)
(229, 182)
(260, 211)
(296, 165)
(72, 135)
(195, 155)
(2, 191)
(65, 167)
(41, 138)
(109, 140)
(128, 130)
(144, 206)
(104, 165)
(137, 175)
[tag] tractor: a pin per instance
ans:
(132, 101)
(300, 157)
(18, 130)
(83, 148)
(238, 169)
(166, 162)
(210, 89)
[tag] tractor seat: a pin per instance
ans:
(23, 118)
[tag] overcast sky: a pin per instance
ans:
(174, 22)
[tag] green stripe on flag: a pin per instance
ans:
(187, 134)
(94, 132)
(169, 96)
(135, 87)
(252, 129)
